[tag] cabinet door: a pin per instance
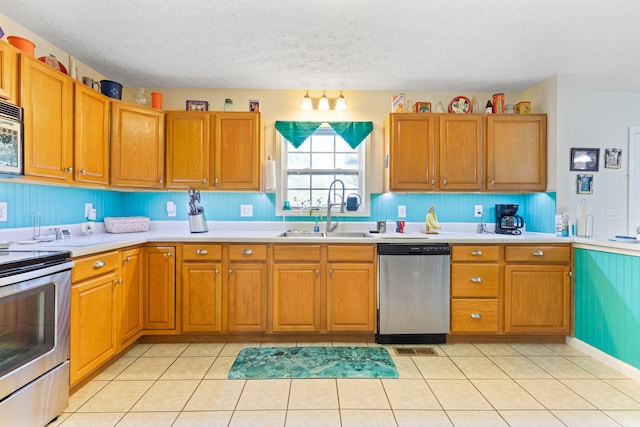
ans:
(247, 290)
(237, 152)
(46, 97)
(517, 152)
(91, 136)
(93, 324)
(130, 296)
(160, 288)
(296, 297)
(201, 297)
(187, 149)
(351, 304)
(8, 72)
(410, 152)
(137, 146)
(460, 152)
(536, 299)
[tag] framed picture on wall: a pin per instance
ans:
(613, 158)
(585, 184)
(584, 159)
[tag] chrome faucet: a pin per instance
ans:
(330, 226)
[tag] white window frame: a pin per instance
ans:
(364, 171)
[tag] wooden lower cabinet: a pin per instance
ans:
(296, 297)
(247, 288)
(129, 297)
(201, 297)
(94, 313)
(351, 301)
(160, 288)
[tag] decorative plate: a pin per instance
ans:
(460, 104)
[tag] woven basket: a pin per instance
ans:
(128, 224)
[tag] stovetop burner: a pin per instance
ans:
(13, 262)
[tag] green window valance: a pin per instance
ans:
(297, 132)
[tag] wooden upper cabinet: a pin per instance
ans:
(516, 152)
(187, 137)
(8, 72)
(91, 136)
(409, 158)
(47, 99)
(137, 146)
(237, 149)
(460, 151)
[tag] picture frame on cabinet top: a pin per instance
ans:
(585, 159)
(422, 107)
(197, 105)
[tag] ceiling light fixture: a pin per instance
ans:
(323, 103)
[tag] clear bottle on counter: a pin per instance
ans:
(228, 104)
(140, 97)
(440, 108)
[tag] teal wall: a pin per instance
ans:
(65, 205)
(607, 303)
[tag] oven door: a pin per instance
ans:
(34, 326)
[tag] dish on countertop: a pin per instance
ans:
(460, 104)
(626, 239)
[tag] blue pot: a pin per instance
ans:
(111, 89)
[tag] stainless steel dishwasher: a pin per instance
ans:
(413, 293)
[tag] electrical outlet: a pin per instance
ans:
(477, 211)
(402, 211)
(614, 215)
(87, 209)
(171, 209)
(3, 212)
(246, 210)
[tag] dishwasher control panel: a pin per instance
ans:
(413, 249)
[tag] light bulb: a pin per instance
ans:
(341, 104)
(306, 103)
(323, 104)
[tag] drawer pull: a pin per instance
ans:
(202, 251)
(476, 279)
(476, 252)
(128, 259)
(247, 252)
(476, 315)
(168, 254)
(230, 271)
(119, 281)
(317, 273)
(538, 253)
(217, 271)
(99, 264)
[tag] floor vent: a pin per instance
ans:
(415, 351)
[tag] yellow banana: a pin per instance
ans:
(432, 219)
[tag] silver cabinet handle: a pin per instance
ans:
(83, 171)
(128, 259)
(330, 271)
(230, 271)
(476, 279)
(69, 169)
(119, 281)
(538, 253)
(476, 315)
(99, 264)
(317, 273)
(161, 180)
(444, 182)
(247, 252)
(216, 271)
(204, 180)
(476, 252)
(202, 252)
(492, 183)
(215, 181)
(168, 255)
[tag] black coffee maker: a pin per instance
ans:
(507, 222)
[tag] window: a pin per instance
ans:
(309, 170)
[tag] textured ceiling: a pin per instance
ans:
(422, 45)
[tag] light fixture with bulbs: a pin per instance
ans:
(323, 103)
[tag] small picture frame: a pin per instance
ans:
(584, 159)
(422, 107)
(613, 158)
(254, 105)
(197, 105)
(585, 184)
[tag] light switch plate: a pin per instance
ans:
(171, 209)
(87, 209)
(246, 210)
(402, 211)
(614, 215)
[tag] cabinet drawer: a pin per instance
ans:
(248, 252)
(94, 265)
(296, 253)
(474, 315)
(475, 280)
(339, 253)
(202, 252)
(475, 253)
(538, 253)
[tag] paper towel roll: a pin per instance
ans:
(582, 212)
(269, 171)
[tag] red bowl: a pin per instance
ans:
(63, 69)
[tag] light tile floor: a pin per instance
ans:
(465, 385)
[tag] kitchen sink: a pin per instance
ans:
(346, 234)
